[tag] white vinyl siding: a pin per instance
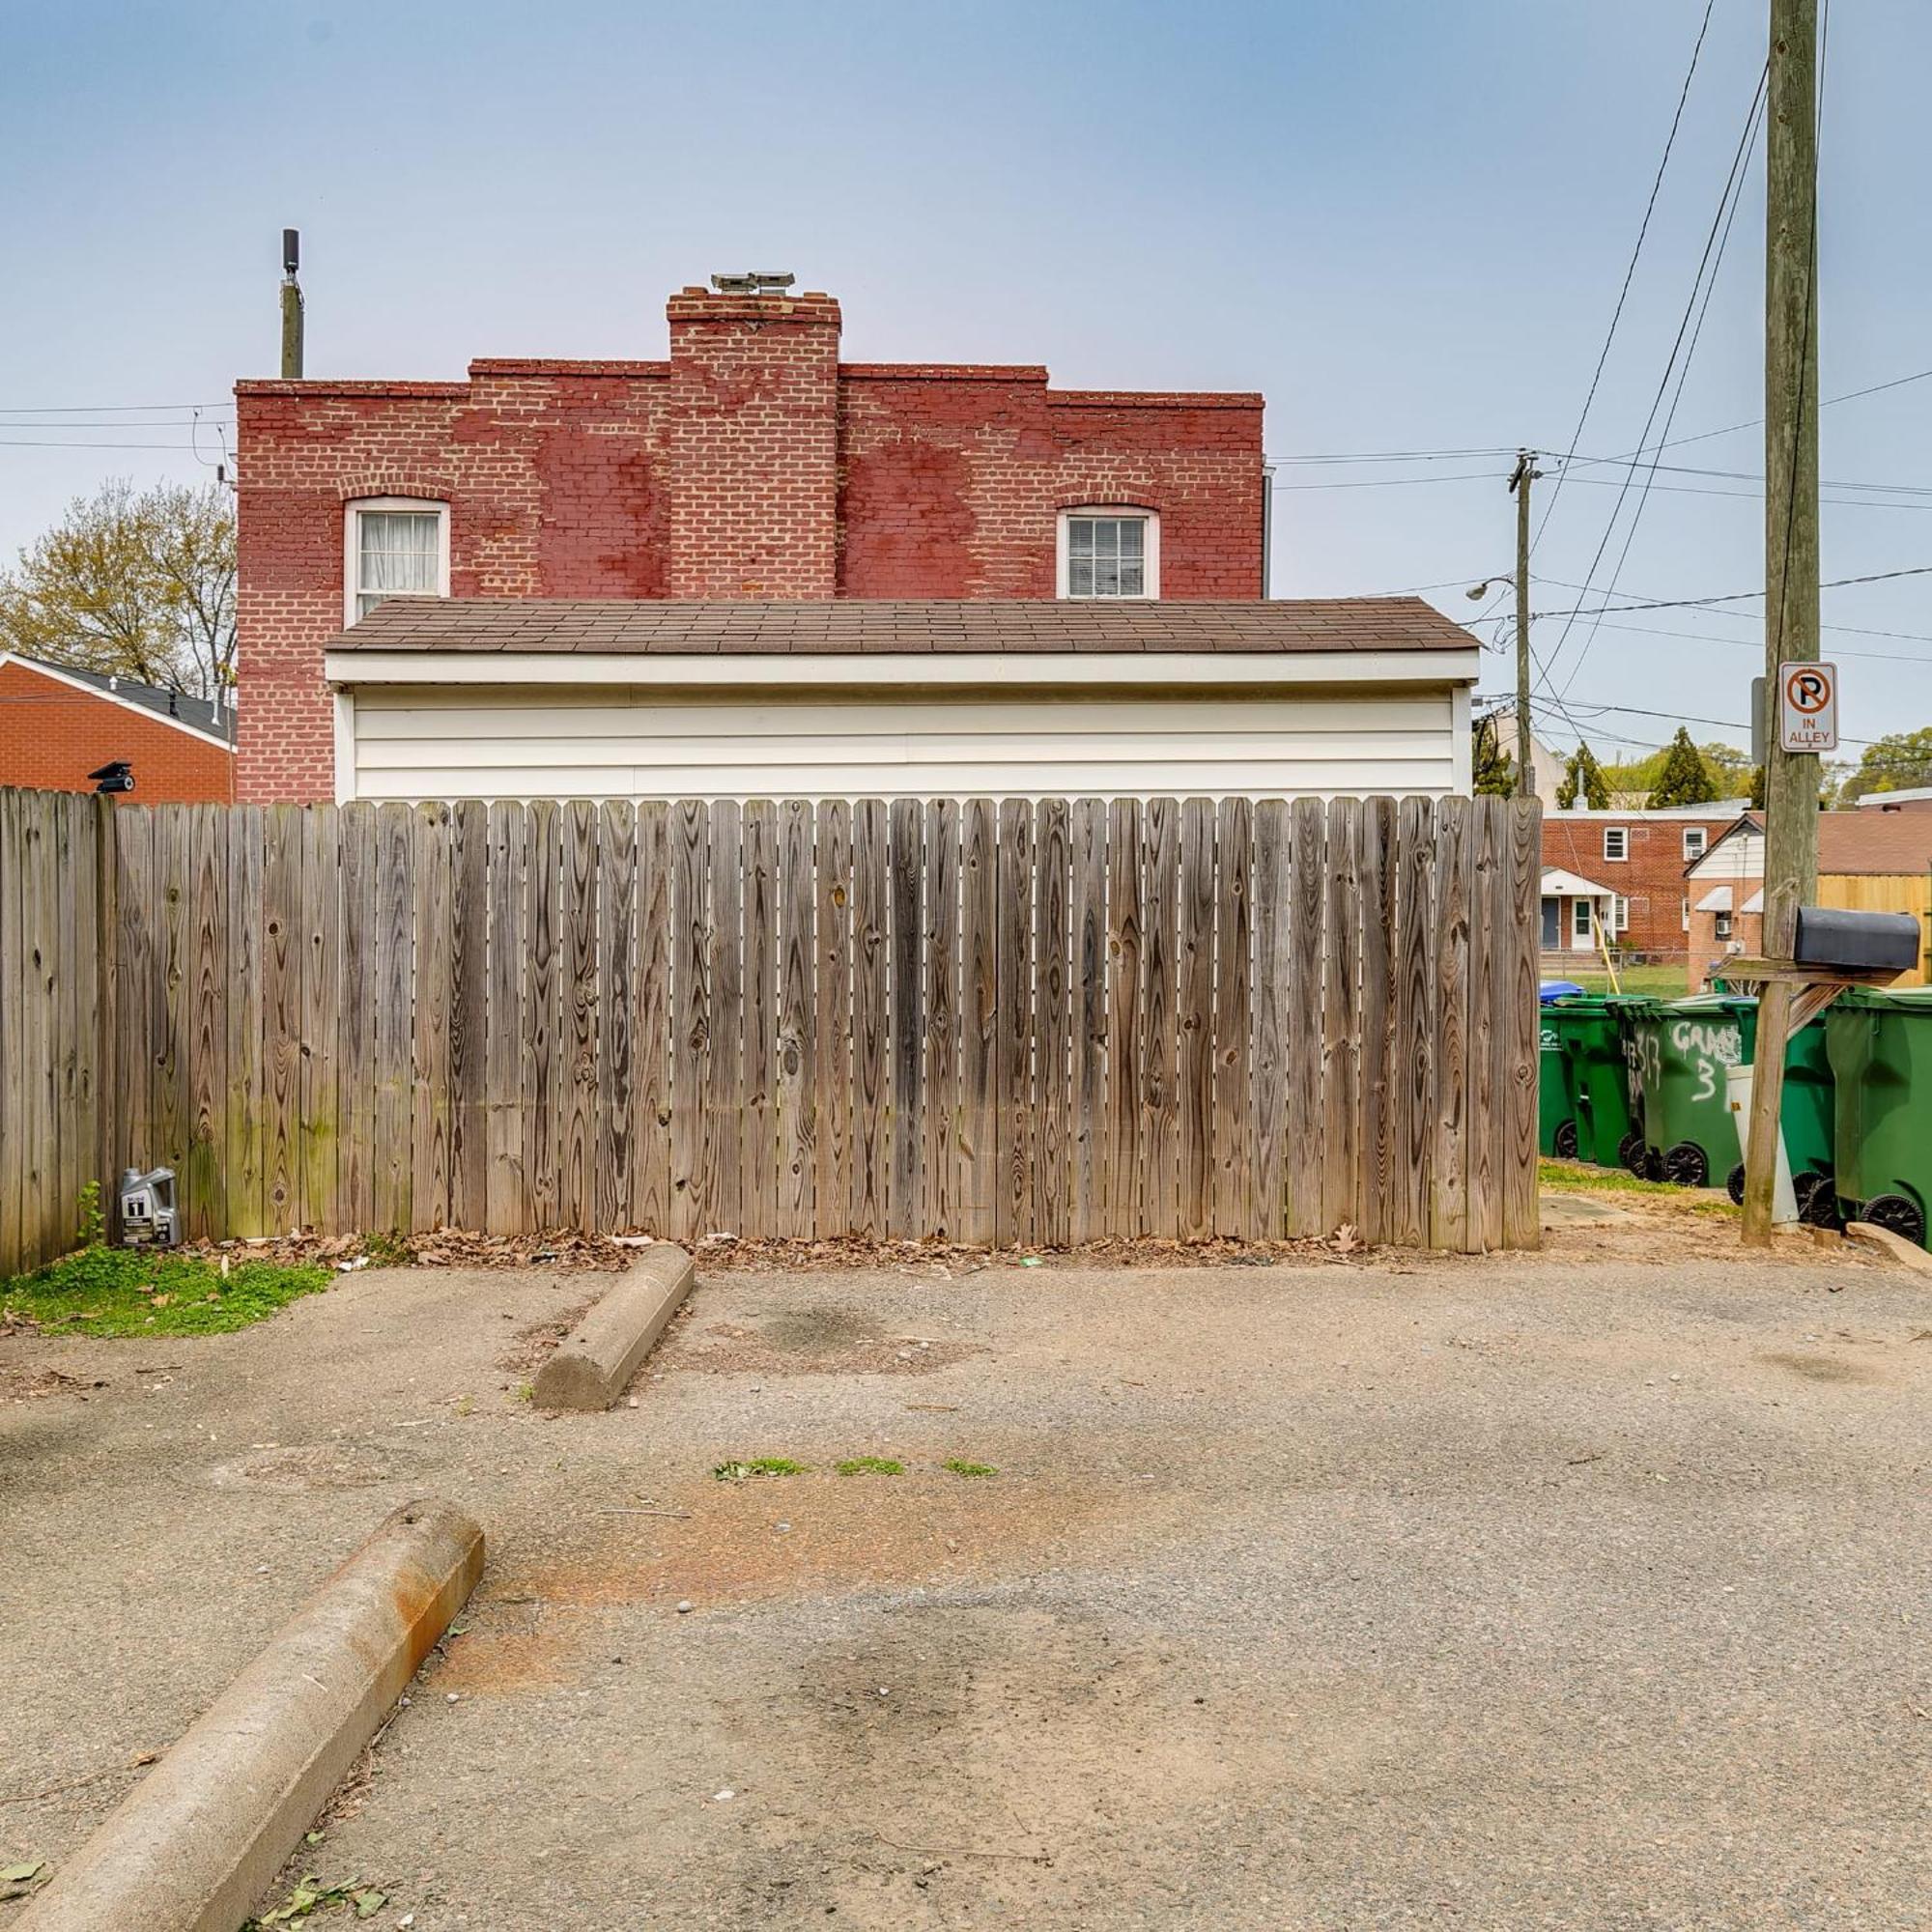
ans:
(470, 741)
(1740, 857)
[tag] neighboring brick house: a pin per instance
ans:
(59, 724)
(750, 464)
(1639, 856)
(1876, 858)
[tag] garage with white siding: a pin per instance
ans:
(474, 697)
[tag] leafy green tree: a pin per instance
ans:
(1684, 779)
(1583, 777)
(1729, 767)
(1493, 768)
(1638, 775)
(139, 584)
(1898, 762)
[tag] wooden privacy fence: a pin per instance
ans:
(1009, 1021)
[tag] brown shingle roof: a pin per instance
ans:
(865, 626)
(1872, 842)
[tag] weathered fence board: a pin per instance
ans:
(940, 1173)
(978, 1010)
(1089, 1178)
(1031, 1022)
(1232, 1056)
(796, 1093)
(831, 1024)
(1120, 1202)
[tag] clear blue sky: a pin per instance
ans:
(1404, 221)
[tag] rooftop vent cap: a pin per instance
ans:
(753, 282)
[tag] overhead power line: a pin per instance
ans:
(1702, 283)
(1738, 596)
(1704, 490)
(1757, 645)
(103, 409)
(1629, 271)
(1575, 461)
(15, 442)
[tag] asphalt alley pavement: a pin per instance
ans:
(1518, 1593)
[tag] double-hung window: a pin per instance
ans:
(1695, 838)
(1109, 552)
(1616, 843)
(393, 547)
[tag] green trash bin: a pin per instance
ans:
(1879, 1046)
(1555, 1106)
(1680, 1050)
(1591, 1034)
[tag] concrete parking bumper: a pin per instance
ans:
(195, 1844)
(592, 1366)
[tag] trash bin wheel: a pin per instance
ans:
(1686, 1165)
(1566, 1140)
(1817, 1200)
(1637, 1156)
(1652, 1165)
(1627, 1151)
(1897, 1215)
(1734, 1185)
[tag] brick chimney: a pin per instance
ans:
(753, 445)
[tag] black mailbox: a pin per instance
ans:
(1873, 941)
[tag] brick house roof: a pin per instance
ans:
(1852, 843)
(863, 627)
(197, 712)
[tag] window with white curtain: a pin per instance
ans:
(1109, 552)
(393, 547)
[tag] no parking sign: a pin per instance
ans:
(1808, 707)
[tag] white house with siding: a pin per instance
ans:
(448, 697)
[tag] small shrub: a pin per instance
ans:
(870, 1466)
(960, 1467)
(90, 1223)
(386, 1249)
(758, 1466)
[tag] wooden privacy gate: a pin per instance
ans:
(1012, 1021)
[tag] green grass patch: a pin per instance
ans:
(758, 1466)
(870, 1466)
(1567, 1177)
(1658, 983)
(960, 1468)
(145, 1292)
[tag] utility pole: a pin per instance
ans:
(1521, 477)
(1790, 553)
(292, 307)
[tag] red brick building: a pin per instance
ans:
(58, 724)
(752, 465)
(1638, 858)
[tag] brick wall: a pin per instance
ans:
(752, 463)
(1651, 878)
(1707, 950)
(51, 737)
(755, 446)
